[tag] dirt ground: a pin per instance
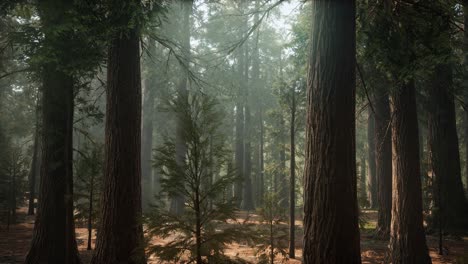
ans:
(15, 242)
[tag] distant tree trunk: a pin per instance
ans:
(331, 231)
(383, 162)
(147, 143)
(292, 189)
(54, 230)
(444, 152)
(33, 169)
(239, 152)
(177, 202)
(362, 195)
(282, 181)
(13, 191)
(261, 182)
(372, 186)
(407, 238)
(90, 212)
(120, 236)
(247, 201)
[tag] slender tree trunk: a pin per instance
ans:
(362, 195)
(330, 138)
(147, 143)
(261, 183)
(33, 170)
(13, 191)
(54, 230)
(465, 87)
(282, 183)
(239, 152)
(407, 238)
(372, 179)
(444, 152)
(292, 189)
(247, 201)
(120, 236)
(177, 202)
(383, 162)
(90, 212)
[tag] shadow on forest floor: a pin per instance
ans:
(15, 243)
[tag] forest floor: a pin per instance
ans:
(15, 242)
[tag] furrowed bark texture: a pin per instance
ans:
(53, 239)
(444, 153)
(120, 237)
(331, 232)
(407, 238)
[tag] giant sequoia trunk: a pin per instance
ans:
(383, 162)
(449, 197)
(331, 232)
(54, 231)
(120, 237)
(407, 238)
(372, 177)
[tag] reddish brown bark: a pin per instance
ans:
(407, 238)
(120, 236)
(331, 232)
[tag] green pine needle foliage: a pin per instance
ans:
(197, 171)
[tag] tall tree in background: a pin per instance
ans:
(371, 141)
(148, 110)
(54, 230)
(449, 197)
(35, 163)
(292, 182)
(330, 126)
(247, 199)
(451, 208)
(120, 236)
(383, 161)
(177, 202)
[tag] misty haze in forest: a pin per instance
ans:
(233, 131)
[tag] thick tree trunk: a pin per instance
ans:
(449, 197)
(383, 162)
(54, 230)
(372, 179)
(120, 237)
(330, 166)
(407, 238)
(292, 183)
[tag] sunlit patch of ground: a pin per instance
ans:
(15, 242)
